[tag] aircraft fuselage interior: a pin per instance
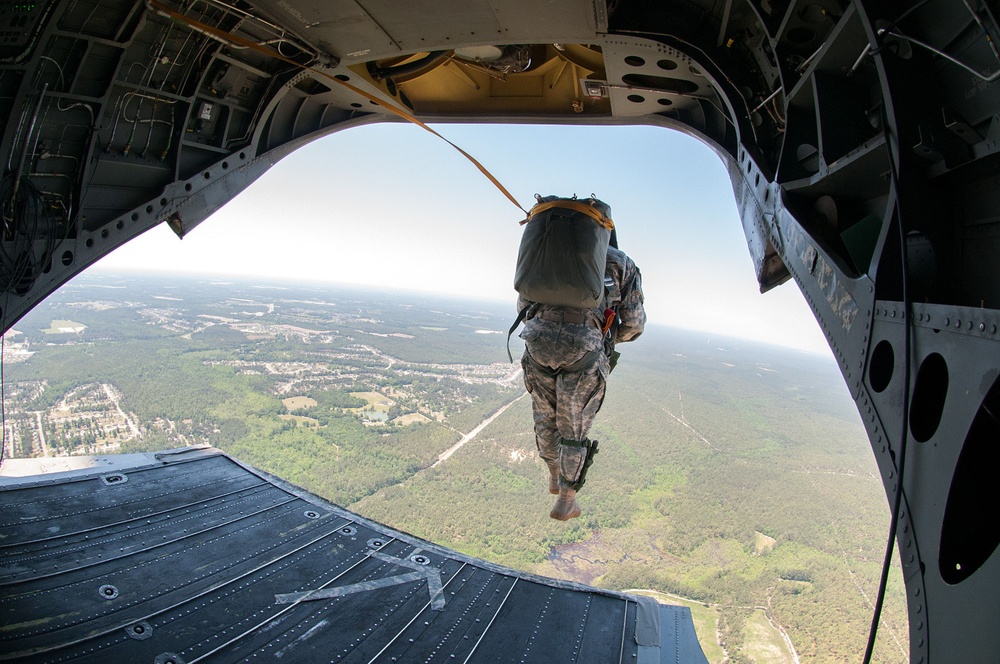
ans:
(862, 138)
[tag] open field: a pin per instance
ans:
(64, 327)
(376, 401)
(295, 403)
(300, 420)
(411, 418)
(765, 645)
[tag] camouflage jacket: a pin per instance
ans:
(629, 299)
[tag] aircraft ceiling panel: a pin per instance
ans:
(342, 28)
(187, 554)
(372, 29)
(500, 21)
(433, 22)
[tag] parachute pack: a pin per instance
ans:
(563, 252)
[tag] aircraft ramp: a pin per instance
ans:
(188, 556)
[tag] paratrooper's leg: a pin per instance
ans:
(579, 397)
(541, 385)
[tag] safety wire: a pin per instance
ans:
(240, 42)
(904, 428)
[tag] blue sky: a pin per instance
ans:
(391, 205)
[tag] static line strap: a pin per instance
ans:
(241, 42)
(576, 206)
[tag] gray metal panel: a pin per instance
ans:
(342, 28)
(647, 623)
(435, 22)
(678, 641)
(192, 555)
(358, 31)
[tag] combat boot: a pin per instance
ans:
(565, 507)
(554, 479)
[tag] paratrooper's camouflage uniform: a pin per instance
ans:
(565, 399)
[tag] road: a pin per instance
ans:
(475, 432)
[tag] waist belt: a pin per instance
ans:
(555, 316)
(564, 316)
(584, 363)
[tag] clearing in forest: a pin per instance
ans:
(411, 418)
(295, 403)
(377, 402)
(300, 420)
(65, 327)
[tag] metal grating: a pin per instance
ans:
(193, 557)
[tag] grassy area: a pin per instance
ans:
(763, 543)
(294, 403)
(65, 327)
(300, 420)
(763, 642)
(410, 418)
(376, 401)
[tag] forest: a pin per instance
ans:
(735, 475)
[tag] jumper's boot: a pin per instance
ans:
(554, 478)
(565, 507)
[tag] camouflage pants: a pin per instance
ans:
(564, 403)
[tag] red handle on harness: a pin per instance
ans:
(609, 318)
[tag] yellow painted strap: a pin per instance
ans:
(235, 40)
(577, 206)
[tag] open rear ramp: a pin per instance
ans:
(188, 556)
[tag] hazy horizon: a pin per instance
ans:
(341, 287)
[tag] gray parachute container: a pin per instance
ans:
(562, 255)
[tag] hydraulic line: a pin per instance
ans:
(27, 139)
(411, 70)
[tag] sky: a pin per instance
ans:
(393, 206)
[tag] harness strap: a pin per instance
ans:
(591, 447)
(520, 317)
(576, 206)
(554, 316)
(562, 315)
